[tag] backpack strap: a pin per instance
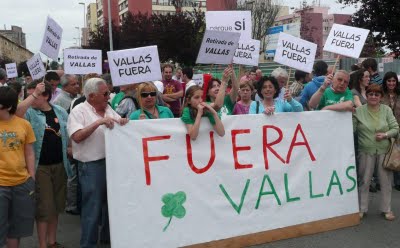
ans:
(257, 107)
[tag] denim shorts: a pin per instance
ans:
(17, 211)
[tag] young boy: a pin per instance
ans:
(17, 172)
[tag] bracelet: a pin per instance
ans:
(34, 96)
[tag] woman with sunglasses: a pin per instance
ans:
(375, 124)
(391, 97)
(146, 94)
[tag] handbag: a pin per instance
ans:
(392, 157)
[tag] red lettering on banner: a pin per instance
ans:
(268, 146)
(190, 155)
(295, 143)
(147, 159)
(236, 149)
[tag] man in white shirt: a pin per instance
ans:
(85, 128)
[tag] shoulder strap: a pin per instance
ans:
(257, 107)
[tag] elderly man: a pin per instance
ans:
(338, 97)
(282, 77)
(70, 91)
(85, 128)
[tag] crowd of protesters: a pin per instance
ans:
(52, 133)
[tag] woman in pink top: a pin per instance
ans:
(243, 105)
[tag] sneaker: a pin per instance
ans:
(389, 216)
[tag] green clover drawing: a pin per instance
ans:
(173, 206)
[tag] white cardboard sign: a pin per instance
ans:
(36, 67)
(345, 40)
(82, 61)
(247, 53)
(12, 70)
(230, 21)
(51, 39)
(295, 52)
(198, 79)
(134, 65)
(218, 47)
(165, 190)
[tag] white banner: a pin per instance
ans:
(247, 53)
(295, 52)
(12, 70)
(51, 39)
(134, 65)
(36, 67)
(82, 61)
(267, 172)
(345, 40)
(218, 47)
(230, 21)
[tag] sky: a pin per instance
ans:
(31, 16)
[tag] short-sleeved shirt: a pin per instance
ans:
(93, 147)
(14, 135)
(362, 99)
(227, 107)
(376, 79)
(187, 118)
(171, 87)
(163, 112)
(330, 98)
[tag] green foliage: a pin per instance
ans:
(178, 36)
(173, 206)
(380, 17)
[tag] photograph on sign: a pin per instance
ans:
(295, 52)
(82, 61)
(247, 53)
(218, 47)
(11, 70)
(230, 21)
(135, 65)
(215, 189)
(36, 67)
(51, 39)
(345, 40)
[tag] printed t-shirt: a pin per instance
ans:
(330, 98)
(187, 119)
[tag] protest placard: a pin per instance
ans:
(346, 40)
(36, 67)
(218, 47)
(198, 79)
(247, 53)
(166, 190)
(12, 70)
(51, 39)
(230, 21)
(295, 52)
(82, 61)
(134, 65)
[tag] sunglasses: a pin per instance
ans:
(146, 94)
(374, 94)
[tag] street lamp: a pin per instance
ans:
(249, 4)
(84, 14)
(79, 36)
(109, 25)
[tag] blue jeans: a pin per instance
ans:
(92, 177)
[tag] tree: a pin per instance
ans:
(99, 39)
(380, 17)
(263, 14)
(178, 4)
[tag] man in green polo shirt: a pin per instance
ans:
(337, 97)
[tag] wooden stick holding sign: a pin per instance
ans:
(288, 79)
(336, 62)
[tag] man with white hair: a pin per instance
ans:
(70, 91)
(85, 128)
(282, 77)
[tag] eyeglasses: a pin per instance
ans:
(146, 94)
(374, 94)
(107, 93)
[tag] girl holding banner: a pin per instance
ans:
(268, 91)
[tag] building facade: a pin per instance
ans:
(13, 51)
(15, 34)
